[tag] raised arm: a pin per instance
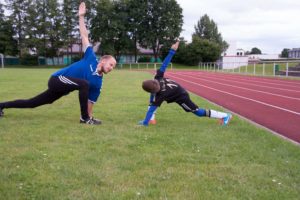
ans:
(169, 57)
(82, 27)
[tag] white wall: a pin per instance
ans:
(232, 62)
(263, 56)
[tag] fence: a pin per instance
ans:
(142, 66)
(266, 68)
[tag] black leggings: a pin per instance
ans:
(57, 87)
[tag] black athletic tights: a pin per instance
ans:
(57, 87)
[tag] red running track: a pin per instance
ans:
(271, 102)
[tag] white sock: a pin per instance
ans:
(217, 114)
(153, 116)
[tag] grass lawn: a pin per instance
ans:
(46, 154)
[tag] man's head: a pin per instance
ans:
(106, 64)
(151, 86)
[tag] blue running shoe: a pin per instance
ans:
(226, 120)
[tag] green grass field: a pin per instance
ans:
(46, 154)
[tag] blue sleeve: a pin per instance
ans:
(151, 98)
(89, 53)
(149, 114)
(167, 60)
(94, 93)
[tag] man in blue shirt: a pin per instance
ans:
(85, 76)
(164, 89)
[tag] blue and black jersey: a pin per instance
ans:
(85, 69)
(170, 91)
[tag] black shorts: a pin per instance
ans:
(186, 103)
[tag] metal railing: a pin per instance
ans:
(142, 66)
(265, 68)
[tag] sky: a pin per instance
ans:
(270, 25)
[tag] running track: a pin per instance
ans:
(271, 102)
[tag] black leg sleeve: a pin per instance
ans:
(46, 97)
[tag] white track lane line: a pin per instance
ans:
(295, 84)
(297, 91)
(241, 97)
(259, 91)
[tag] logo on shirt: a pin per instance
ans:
(170, 85)
(94, 73)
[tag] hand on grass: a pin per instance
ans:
(141, 123)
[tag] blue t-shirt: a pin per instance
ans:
(85, 69)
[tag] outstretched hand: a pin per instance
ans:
(141, 123)
(82, 9)
(175, 46)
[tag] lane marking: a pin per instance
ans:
(239, 77)
(243, 82)
(240, 87)
(256, 101)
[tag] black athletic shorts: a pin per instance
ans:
(186, 103)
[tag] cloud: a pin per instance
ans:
(270, 25)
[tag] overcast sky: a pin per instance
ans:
(270, 25)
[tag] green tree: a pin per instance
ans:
(135, 14)
(32, 36)
(159, 25)
(70, 21)
(102, 26)
(285, 53)
(255, 50)
(18, 15)
(123, 41)
(110, 26)
(207, 29)
(202, 50)
(7, 44)
(53, 29)
(181, 52)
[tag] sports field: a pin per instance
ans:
(46, 154)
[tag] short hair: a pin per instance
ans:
(151, 86)
(107, 57)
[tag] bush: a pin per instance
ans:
(28, 59)
(75, 58)
(144, 59)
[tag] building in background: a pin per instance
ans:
(294, 53)
(233, 57)
(259, 57)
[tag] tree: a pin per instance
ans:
(159, 25)
(70, 21)
(181, 53)
(7, 44)
(255, 50)
(18, 9)
(202, 50)
(135, 14)
(102, 26)
(122, 38)
(53, 30)
(207, 29)
(285, 53)
(111, 27)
